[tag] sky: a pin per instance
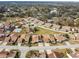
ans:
(41, 0)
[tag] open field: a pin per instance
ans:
(45, 31)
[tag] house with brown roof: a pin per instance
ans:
(35, 38)
(14, 38)
(7, 25)
(3, 54)
(60, 38)
(52, 38)
(45, 37)
(40, 23)
(1, 32)
(51, 55)
(47, 25)
(7, 54)
(65, 28)
(42, 54)
(75, 55)
(55, 27)
(21, 39)
(6, 40)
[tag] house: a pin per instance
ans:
(52, 39)
(12, 54)
(59, 37)
(75, 55)
(59, 54)
(35, 21)
(32, 19)
(49, 21)
(47, 25)
(7, 54)
(1, 32)
(71, 36)
(14, 37)
(3, 54)
(21, 39)
(65, 28)
(52, 55)
(6, 40)
(42, 54)
(76, 36)
(45, 37)
(35, 38)
(55, 27)
(7, 25)
(1, 26)
(75, 29)
(27, 38)
(40, 23)
(40, 38)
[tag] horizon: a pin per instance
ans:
(39, 1)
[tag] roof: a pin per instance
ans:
(75, 55)
(19, 40)
(1, 30)
(6, 54)
(12, 54)
(71, 36)
(52, 55)
(59, 37)
(7, 39)
(22, 37)
(34, 38)
(47, 24)
(56, 26)
(66, 27)
(58, 54)
(14, 37)
(42, 55)
(45, 37)
(77, 36)
(1, 25)
(52, 38)
(3, 54)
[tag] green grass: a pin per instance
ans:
(45, 31)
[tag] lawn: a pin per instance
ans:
(45, 31)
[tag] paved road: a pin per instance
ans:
(24, 48)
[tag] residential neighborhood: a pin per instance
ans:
(12, 34)
(39, 31)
